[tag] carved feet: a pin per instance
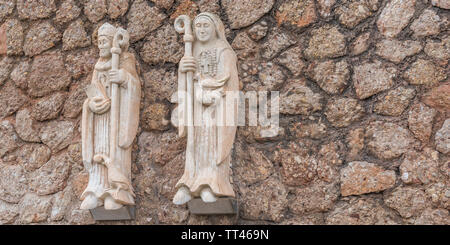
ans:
(183, 196)
(207, 195)
(90, 202)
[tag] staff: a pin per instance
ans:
(121, 39)
(185, 101)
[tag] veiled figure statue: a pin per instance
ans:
(206, 73)
(109, 122)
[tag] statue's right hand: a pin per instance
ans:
(187, 63)
(99, 105)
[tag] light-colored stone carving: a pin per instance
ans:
(207, 76)
(110, 121)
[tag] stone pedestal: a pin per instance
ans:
(220, 207)
(123, 213)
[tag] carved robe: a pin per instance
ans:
(96, 133)
(213, 139)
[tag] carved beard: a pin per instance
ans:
(105, 53)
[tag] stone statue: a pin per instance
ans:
(110, 121)
(206, 75)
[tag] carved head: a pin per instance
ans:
(205, 29)
(105, 38)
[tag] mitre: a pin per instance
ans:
(107, 30)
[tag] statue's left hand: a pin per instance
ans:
(117, 76)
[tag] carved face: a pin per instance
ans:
(204, 29)
(104, 44)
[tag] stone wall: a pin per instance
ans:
(365, 102)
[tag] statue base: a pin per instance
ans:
(221, 206)
(123, 213)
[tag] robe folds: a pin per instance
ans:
(213, 139)
(96, 130)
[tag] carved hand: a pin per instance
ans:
(117, 76)
(99, 105)
(187, 63)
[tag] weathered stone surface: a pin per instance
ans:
(185, 7)
(243, 13)
(74, 152)
(13, 183)
(252, 165)
(57, 134)
(364, 210)
(297, 14)
(80, 217)
(211, 6)
(298, 165)
(427, 24)
(408, 201)
(420, 121)
(33, 156)
(442, 138)
(61, 202)
(433, 216)
(325, 7)
(270, 78)
(330, 75)
(19, 74)
(311, 130)
(364, 177)
(297, 98)
(396, 51)
(360, 44)
(80, 63)
(342, 112)
(11, 99)
(264, 201)
(95, 10)
(14, 36)
(371, 78)
(6, 8)
(159, 147)
(33, 10)
(40, 37)
(353, 12)
(48, 107)
(445, 4)
(330, 159)
(171, 214)
(143, 19)
(162, 46)
(245, 47)
(8, 212)
(155, 117)
(166, 4)
(6, 64)
(438, 97)
(80, 183)
(306, 219)
(424, 72)
(355, 144)
(74, 103)
(318, 197)
(326, 42)
(160, 83)
(50, 66)
(75, 36)
(26, 127)
(292, 59)
(439, 194)
(258, 31)
(3, 45)
(276, 41)
(68, 11)
(395, 16)
(439, 51)
(388, 140)
(52, 176)
(34, 208)
(117, 8)
(394, 102)
(420, 167)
